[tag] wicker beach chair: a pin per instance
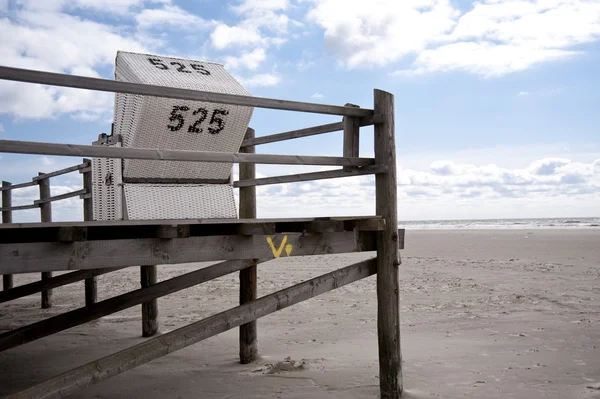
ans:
(142, 189)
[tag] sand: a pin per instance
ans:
(485, 314)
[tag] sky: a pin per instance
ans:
(496, 100)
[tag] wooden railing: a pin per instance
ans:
(386, 239)
(45, 204)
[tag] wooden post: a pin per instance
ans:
(388, 257)
(45, 216)
(351, 137)
(150, 308)
(7, 279)
(91, 284)
(248, 283)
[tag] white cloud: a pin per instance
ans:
(172, 16)
(47, 161)
(112, 6)
(225, 36)
(260, 80)
(494, 38)
(263, 22)
(317, 95)
(364, 33)
(524, 93)
(250, 60)
(58, 42)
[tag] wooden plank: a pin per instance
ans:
(91, 283)
(45, 256)
(56, 281)
(204, 222)
(45, 217)
(306, 132)
(148, 277)
(351, 137)
(76, 317)
(7, 279)
(327, 174)
(61, 196)
(293, 134)
(81, 231)
(20, 185)
(20, 207)
(30, 147)
(109, 366)
(81, 82)
(388, 258)
(248, 335)
(61, 172)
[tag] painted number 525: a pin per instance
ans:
(178, 66)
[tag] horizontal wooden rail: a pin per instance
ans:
(309, 131)
(20, 207)
(62, 171)
(81, 82)
(20, 185)
(61, 197)
(56, 281)
(327, 174)
(80, 255)
(30, 147)
(93, 372)
(76, 317)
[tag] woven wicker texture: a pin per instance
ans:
(179, 201)
(150, 122)
(107, 198)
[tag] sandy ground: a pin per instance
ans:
(485, 314)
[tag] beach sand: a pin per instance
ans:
(485, 314)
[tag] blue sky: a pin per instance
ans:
(496, 100)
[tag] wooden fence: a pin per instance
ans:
(92, 247)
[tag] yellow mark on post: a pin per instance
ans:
(277, 251)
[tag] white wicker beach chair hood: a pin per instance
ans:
(141, 189)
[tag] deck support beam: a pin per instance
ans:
(248, 283)
(7, 279)
(45, 216)
(91, 373)
(150, 308)
(388, 257)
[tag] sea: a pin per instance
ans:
(548, 223)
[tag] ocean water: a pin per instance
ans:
(550, 223)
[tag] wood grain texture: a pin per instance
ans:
(388, 258)
(148, 277)
(61, 171)
(45, 217)
(328, 174)
(46, 256)
(78, 150)
(20, 185)
(7, 279)
(96, 371)
(79, 316)
(351, 137)
(56, 281)
(248, 334)
(91, 283)
(81, 82)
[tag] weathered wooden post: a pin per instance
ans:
(7, 279)
(351, 137)
(388, 257)
(91, 284)
(148, 276)
(45, 216)
(248, 283)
